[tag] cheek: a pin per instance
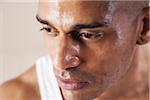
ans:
(115, 64)
(111, 64)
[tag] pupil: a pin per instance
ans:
(87, 35)
(48, 29)
(98, 35)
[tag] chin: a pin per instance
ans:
(78, 97)
(84, 94)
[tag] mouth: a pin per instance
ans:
(71, 84)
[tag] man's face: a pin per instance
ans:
(99, 36)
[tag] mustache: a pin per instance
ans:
(75, 73)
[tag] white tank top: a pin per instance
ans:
(49, 89)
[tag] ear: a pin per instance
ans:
(144, 35)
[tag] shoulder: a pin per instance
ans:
(11, 89)
(24, 87)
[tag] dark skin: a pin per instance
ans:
(95, 45)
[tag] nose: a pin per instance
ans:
(66, 54)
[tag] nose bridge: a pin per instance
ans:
(66, 50)
(64, 47)
(60, 49)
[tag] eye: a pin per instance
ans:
(49, 30)
(91, 36)
(46, 28)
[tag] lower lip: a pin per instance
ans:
(71, 85)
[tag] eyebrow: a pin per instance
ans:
(41, 20)
(77, 26)
(92, 25)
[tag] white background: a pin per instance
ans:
(20, 40)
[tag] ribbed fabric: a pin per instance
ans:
(48, 85)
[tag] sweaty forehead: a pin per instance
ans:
(71, 5)
(71, 11)
(66, 13)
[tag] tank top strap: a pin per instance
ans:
(49, 89)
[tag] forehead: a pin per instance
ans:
(63, 14)
(71, 5)
(73, 10)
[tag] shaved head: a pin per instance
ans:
(91, 43)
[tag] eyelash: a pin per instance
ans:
(46, 28)
(81, 35)
(89, 35)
